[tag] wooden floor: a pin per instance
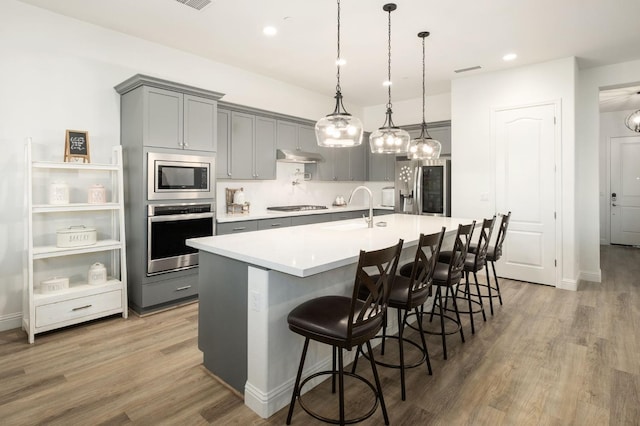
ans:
(547, 357)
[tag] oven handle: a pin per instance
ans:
(175, 217)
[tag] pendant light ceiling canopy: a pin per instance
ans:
(389, 139)
(339, 129)
(424, 147)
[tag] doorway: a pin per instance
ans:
(625, 190)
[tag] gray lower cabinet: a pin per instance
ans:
(308, 220)
(161, 292)
(349, 215)
(236, 227)
(280, 222)
(247, 146)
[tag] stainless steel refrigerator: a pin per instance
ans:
(423, 187)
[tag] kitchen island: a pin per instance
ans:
(250, 282)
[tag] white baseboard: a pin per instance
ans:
(593, 276)
(567, 284)
(11, 321)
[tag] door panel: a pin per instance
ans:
(625, 183)
(525, 185)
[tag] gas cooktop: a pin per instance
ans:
(296, 208)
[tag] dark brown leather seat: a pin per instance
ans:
(408, 294)
(494, 253)
(473, 263)
(345, 322)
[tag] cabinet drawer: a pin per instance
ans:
(307, 220)
(170, 290)
(80, 307)
(280, 222)
(236, 227)
(349, 215)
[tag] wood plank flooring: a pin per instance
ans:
(547, 357)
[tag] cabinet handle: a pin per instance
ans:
(81, 308)
(185, 144)
(276, 224)
(186, 287)
(239, 229)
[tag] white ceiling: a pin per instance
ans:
(464, 33)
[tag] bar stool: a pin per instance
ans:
(447, 276)
(407, 294)
(473, 263)
(493, 255)
(346, 322)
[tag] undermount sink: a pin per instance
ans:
(346, 226)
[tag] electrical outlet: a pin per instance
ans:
(255, 301)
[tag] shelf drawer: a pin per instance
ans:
(236, 227)
(73, 309)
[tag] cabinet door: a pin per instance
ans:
(281, 222)
(163, 118)
(287, 135)
(265, 148)
(357, 156)
(377, 167)
(443, 135)
(223, 131)
(324, 169)
(242, 137)
(199, 123)
(236, 227)
(307, 139)
(341, 163)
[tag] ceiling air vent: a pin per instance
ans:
(196, 4)
(477, 67)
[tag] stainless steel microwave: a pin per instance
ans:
(178, 176)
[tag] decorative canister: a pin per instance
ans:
(76, 236)
(97, 194)
(97, 274)
(238, 197)
(58, 193)
(54, 284)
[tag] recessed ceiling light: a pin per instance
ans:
(269, 30)
(509, 57)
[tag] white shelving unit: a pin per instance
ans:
(81, 301)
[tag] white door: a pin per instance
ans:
(625, 184)
(525, 144)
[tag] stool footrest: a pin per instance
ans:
(385, 364)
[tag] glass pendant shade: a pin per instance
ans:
(633, 121)
(424, 147)
(339, 129)
(389, 140)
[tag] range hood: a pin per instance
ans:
(291, 156)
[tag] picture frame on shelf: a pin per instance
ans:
(76, 146)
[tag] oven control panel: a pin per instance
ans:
(173, 209)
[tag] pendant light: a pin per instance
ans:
(633, 120)
(389, 139)
(339, 129)
(424, 147)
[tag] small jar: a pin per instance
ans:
(97, 274)
(97, 194)
(58, 193)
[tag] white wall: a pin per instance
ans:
(588, 154)
(611, 126)
(473, 99)
(58, 73)
(437, 108)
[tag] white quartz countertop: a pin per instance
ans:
(272, 214)
(312, 249)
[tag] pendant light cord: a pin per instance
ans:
(389, 63)
(338, 58)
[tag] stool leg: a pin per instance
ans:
(401, 350)
(384, 332)
(455, 307)
(475, 278)
(468, 293)
(444, 336)
(355, 361)
(424, 342)
(493, 265)
(378, 387)
(333, 369)
(295, 386)
(341, 385)
(489, 289)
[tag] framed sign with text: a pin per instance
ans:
(76, 146)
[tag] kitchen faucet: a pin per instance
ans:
(370, 219)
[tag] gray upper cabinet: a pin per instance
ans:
(381, 167)
(175, 120)
(246, 146)
(296, 137)
(441, 131)
(342, 164)
(165, 114)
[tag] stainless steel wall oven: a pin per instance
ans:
(169, 226)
